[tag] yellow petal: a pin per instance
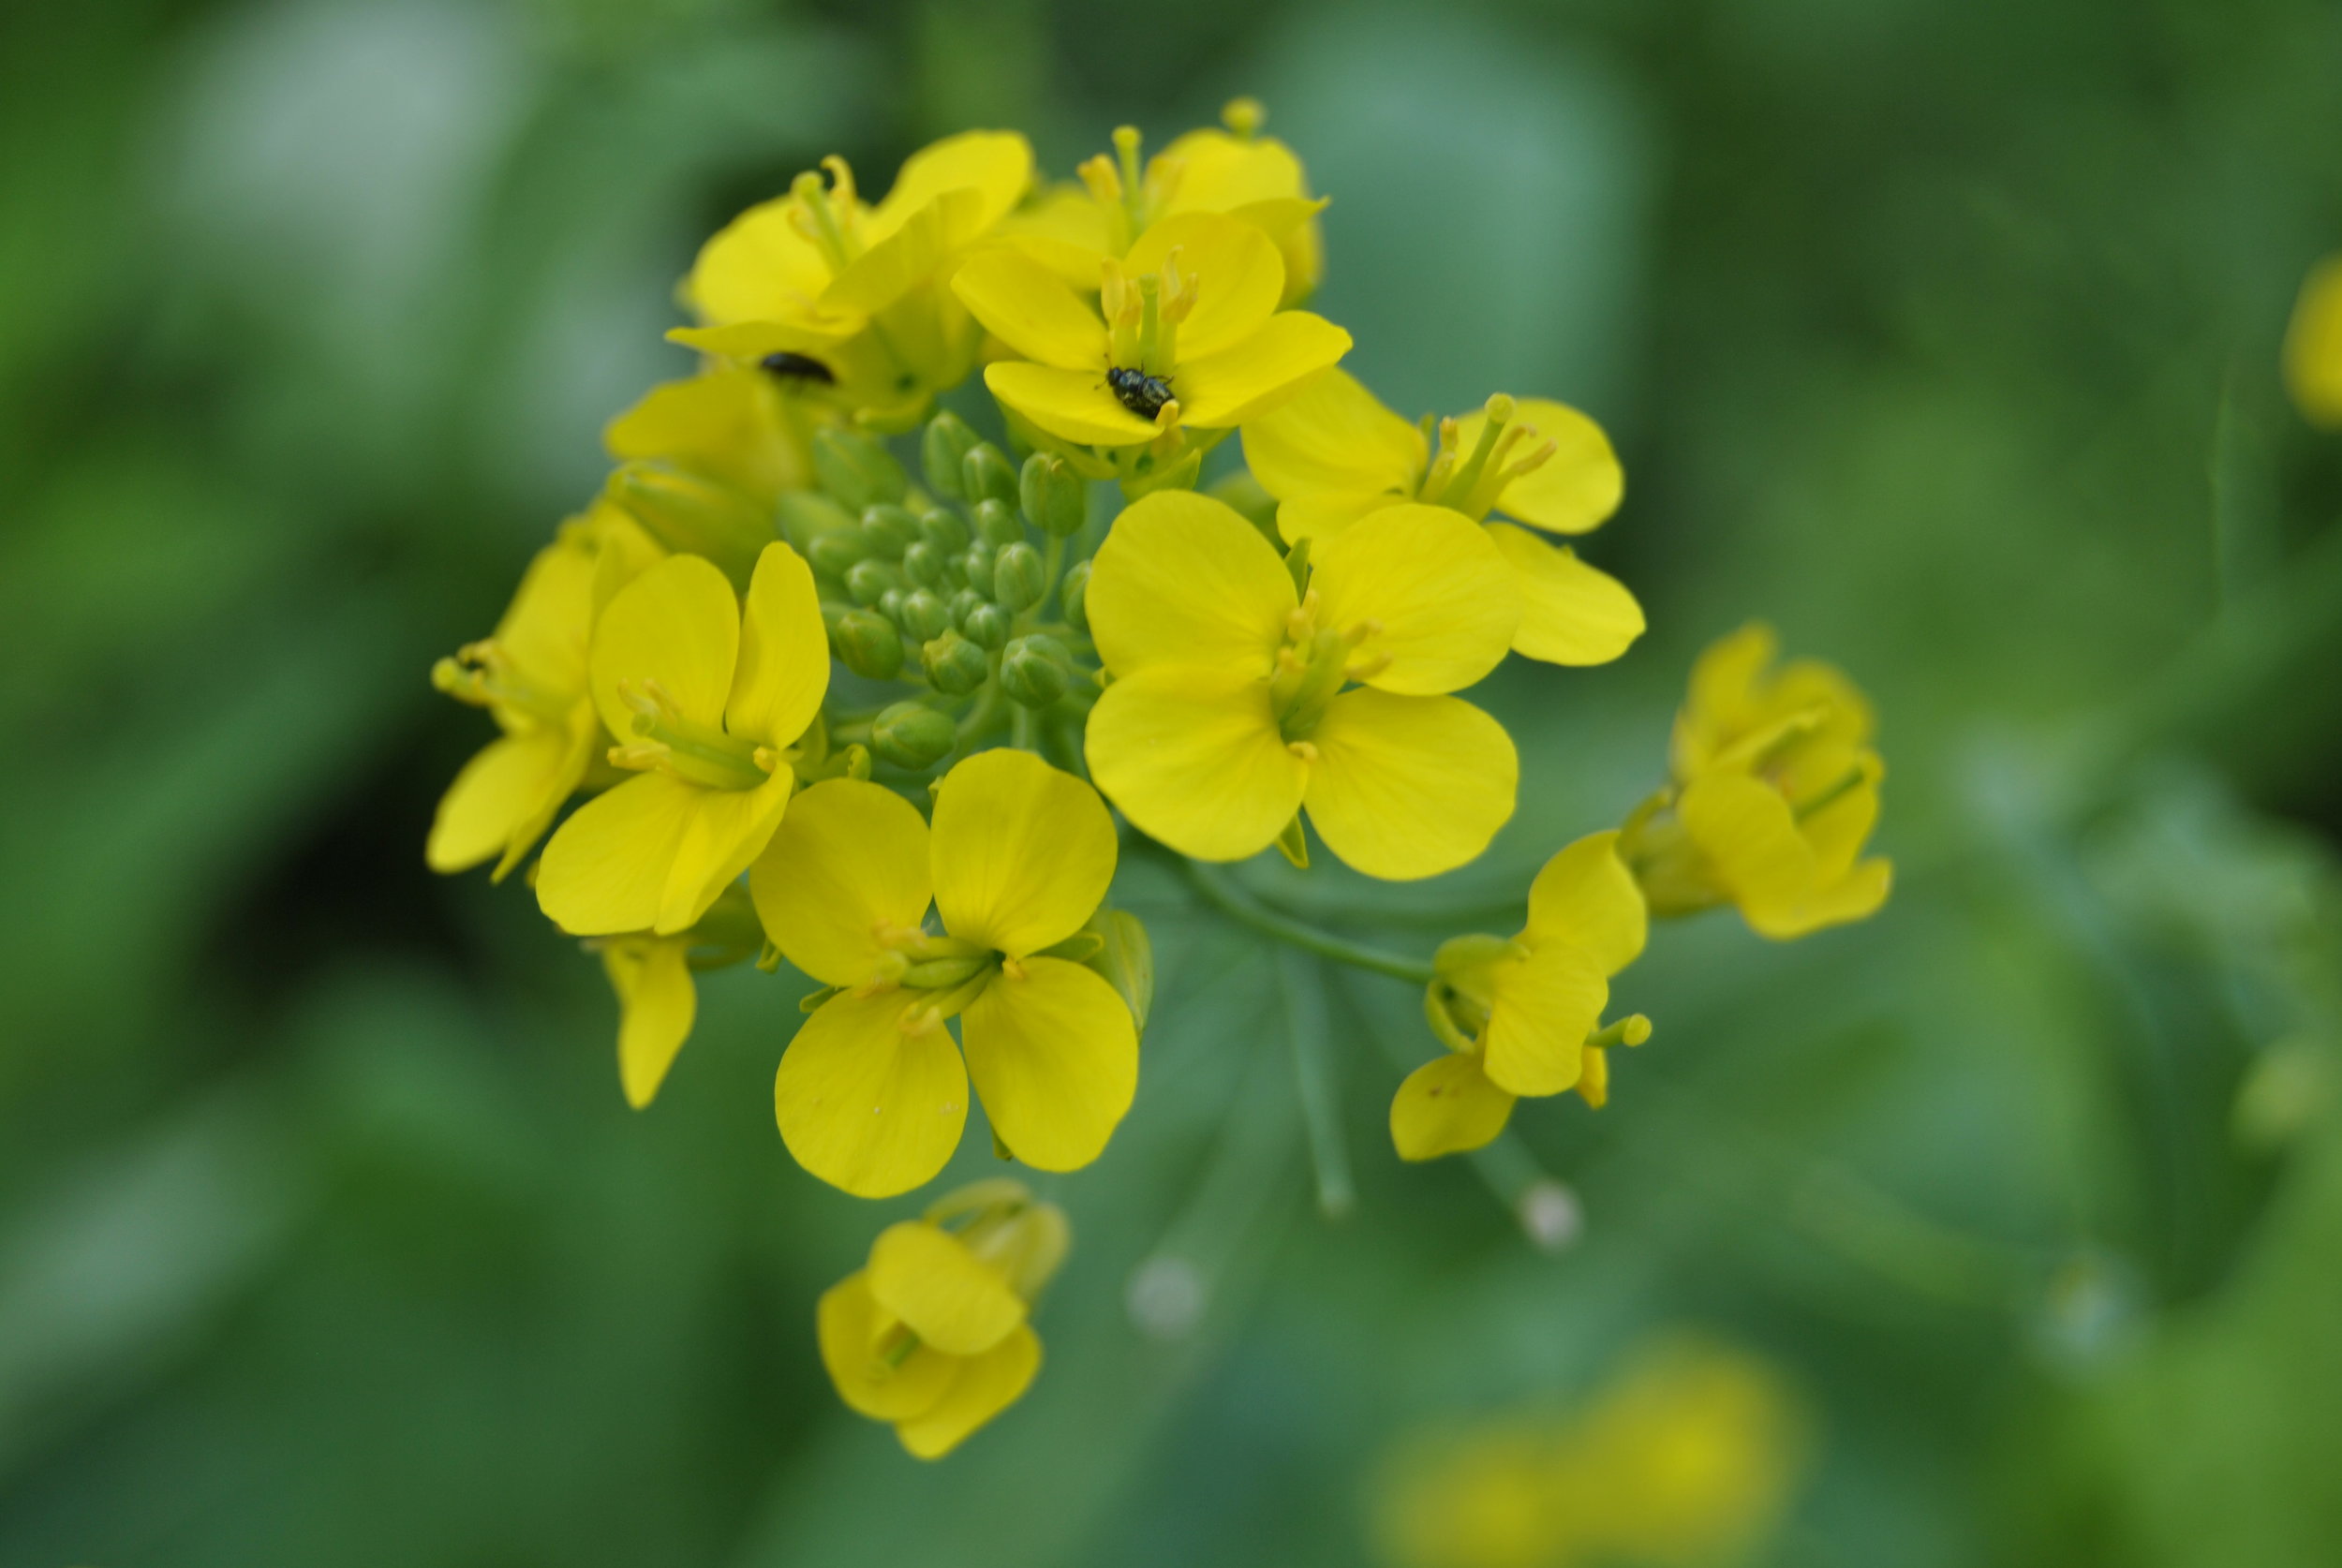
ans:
(1185, 580)
(1247, 378)
(757, 267)
(1238, 276)
(509, 784)
(606, 870)
(1856, 896)
(1575, 490)
(727, 423)
(866, 1106)
(1032, 311)
(1446, 1106)
(1838, 830)
(1586, 898)
(851, 1326)
(2313, 345)
(1749, 835)
(1071, 405)
(677, 624)
(784, 652)
(724, 834)
(1437, 585)
(1193, 759)
(1409, 786)
(995, 166)
(1064, 230)
(546, 628)
(657, 1004)
(849, 860)
(1540, 1012)
(1022, 852)
(1333, 438)
(1054, 1059)
(1570, 613)
(909, 255)
(1327, 512)
(1721, 700)
(985, 1385)
(927, 1276)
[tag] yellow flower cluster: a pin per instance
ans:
(825, 676)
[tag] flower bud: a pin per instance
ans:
(1036, 671)
(945, 529)
(890, 604)
(889, 529)
(997, 524)
(922, 615)
(1070, 594)
(836, 553)
(691, 516)
(954, 664)
(912, 735)
(1054, 499)
(808, 515)
(943, 450)
(985, 476)
(986, 626)
(975, 565)
(923, 563)
(868, 581)
(1018, 578)
(856, 470)
(866, 642)
(963, 604)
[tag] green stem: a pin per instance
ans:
(1304, 988)
(1241, 906)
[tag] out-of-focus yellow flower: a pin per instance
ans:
(1688, 1458)
(849, 301)
(1185, 333)
(2313, 345)
(1775, 792)
(1075, 229)
(711, 698)
(658, 1002)
(1522, 1017)
(530, 675)
(1331, 455)
(932, 1334)
(871, 1095)
(733, 424)
(1232, 706)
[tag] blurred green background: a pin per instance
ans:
(1943, 333)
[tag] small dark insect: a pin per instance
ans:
(799, 368)
(1141, 393)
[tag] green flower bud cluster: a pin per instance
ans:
(966, 581)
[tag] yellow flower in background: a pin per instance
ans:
(871, 1094)
(712, 698)
(1331, 455)
(1074, 229)
(1232, 706)
(1688, 1460)
(658, 1002)
(2313, 345)
(530, 675)
(1775, 792)
(732, 425)
(1185, 333)
(933, 1335)
(849, 301)
(1523, 1018)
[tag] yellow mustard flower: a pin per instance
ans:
(1689, 1458)
(1523, 1018)
(847, 299)
(2313, 345)
(732, 424)
(1231, 708)
(1184, 332)
(1074, 229)
(713, 698)
(1774, 794)
(1331, 455)
(871, 1095)
(658, 1002)
(933, 1335)
(530, 675)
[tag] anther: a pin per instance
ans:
(1244, 117)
